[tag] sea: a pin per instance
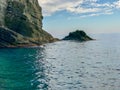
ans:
(63, 65)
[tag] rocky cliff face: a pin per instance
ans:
(21, 24)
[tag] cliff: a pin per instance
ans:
(21, 24)
(78, 36)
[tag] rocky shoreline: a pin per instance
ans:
(21, 25)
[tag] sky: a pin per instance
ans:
(92, 16)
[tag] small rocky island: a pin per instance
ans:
(21, 24)
(78, 35)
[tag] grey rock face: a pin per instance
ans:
(21, 24)
(3, 5)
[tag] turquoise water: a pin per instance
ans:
(65, 65)
(21, 68)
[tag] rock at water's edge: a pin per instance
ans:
(78, 36)
(21, 24)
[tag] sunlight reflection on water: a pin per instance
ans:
(65, 65)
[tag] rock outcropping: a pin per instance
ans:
(78, 36)
(21, 24)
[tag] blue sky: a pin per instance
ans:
(92, 16)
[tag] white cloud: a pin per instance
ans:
(79, 10)
(96, 14)
(78, 7)
(117, 4)
(51, 6)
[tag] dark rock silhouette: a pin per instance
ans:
(78, 35)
